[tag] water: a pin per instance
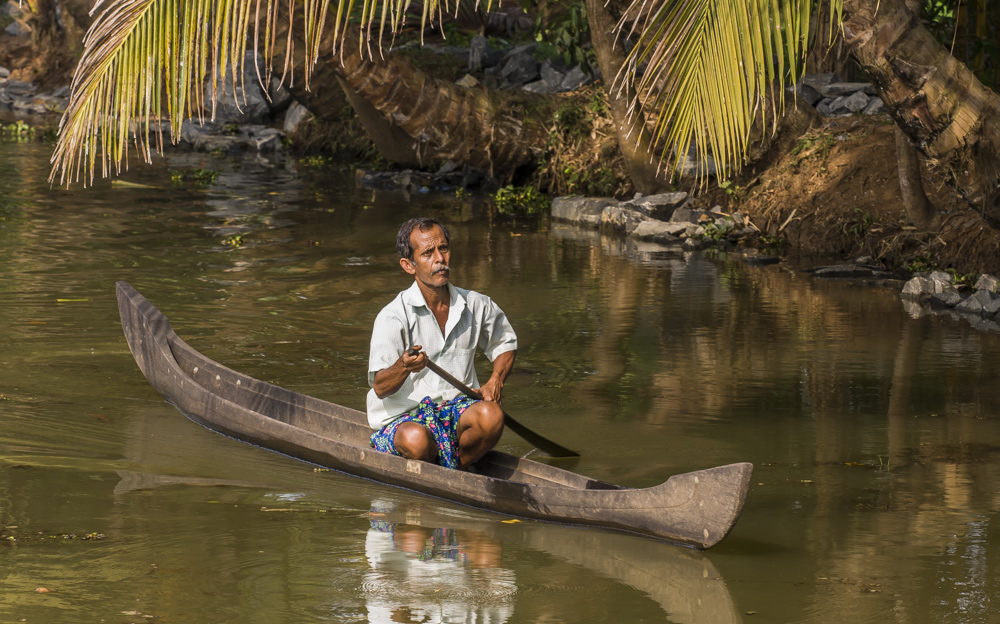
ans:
(874, 436)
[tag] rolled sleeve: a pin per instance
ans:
(388, 343)
(499, 336)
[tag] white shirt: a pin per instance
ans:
(473, 321)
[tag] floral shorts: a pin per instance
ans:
(441, 420)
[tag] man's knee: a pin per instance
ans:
(414, 441)
(488, 418)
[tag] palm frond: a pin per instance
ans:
(146, 60)
(707, 65)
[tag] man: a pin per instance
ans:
(416, 413)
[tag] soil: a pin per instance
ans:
(836, 191)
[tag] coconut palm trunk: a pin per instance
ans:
(634, 139)
(935, 99)
(415, 119)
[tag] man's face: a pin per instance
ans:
(431, 257)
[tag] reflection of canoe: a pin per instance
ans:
(697, 508)
(684, 583)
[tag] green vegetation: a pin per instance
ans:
(196, 177)
(859, 226)
(525, 200)
(566, 36)
(236, 240)
(17, 131)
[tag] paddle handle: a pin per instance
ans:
(448, 377)
(552, 448)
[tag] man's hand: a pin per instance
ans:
(413, 359)
(390, 380)
(493, 389)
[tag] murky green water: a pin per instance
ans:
(874, 436)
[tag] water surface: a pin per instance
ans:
(873, 435)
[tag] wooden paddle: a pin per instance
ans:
(552, 448)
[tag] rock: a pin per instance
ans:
(987, 282)
(918, 287)
(574, 79)
(843, 105)
(689, 215)
(61, 92)
(856, 102)
(295, 116)
(945, 300)
(16, 29)
(551, 79)
(468, 81)
(875, 106)
(693, 244)
(28, 106)
(540, 86)
(622, 219)
(413, 181)
(191, 129)
(519, 69)
(525, 48)
(16, 88)
(657, 231)
(976, 303)
(848, 271)
(818, 80)
(281, 97)
(4, 72)
(481, 56)
(661, 206)
(244, 102)
(267, 140)
(808, 94)
(760, 260)
(215, 143)
(838, 89)
(942, 281)
(583, 210)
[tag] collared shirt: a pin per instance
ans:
(473, 321)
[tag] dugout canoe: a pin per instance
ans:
(696, 508)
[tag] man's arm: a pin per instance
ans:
(389, 380)
(502, 365)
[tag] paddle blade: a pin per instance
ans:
(543, 444)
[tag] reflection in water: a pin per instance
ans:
(433, 575)
(874, 435)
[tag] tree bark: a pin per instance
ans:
(634, 140)
(936, 100)
(416, 119)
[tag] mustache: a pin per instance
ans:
(441, 269)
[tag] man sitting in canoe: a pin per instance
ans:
(416, 413)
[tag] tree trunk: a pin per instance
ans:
(935, 99)
(634, 140)
(416, 119)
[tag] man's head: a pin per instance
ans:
(423, 246)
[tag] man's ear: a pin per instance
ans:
(407, 265)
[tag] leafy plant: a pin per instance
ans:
(566, 36)
(526, 200)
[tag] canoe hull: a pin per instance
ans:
(697, 508)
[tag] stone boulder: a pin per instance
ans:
(981, 303)
(987, 282)
(295, 116)
(661, 206)
(659, 231)
(620, 218)
(582, 210)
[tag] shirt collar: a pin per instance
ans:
(414, 298)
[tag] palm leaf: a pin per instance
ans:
(146, 60)
(708, 64)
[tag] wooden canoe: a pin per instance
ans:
(697, 508)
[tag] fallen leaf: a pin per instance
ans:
(510, 521)
(42, 590)
(70, 300)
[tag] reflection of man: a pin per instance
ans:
(433, 575)
(417, 414)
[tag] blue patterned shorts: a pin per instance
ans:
(441, 420)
